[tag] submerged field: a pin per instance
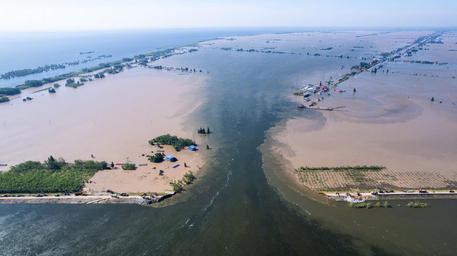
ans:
(371, 180)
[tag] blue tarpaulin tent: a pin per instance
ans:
(193, 148)
(171, 158)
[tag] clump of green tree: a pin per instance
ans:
(33, 83)
(156, 158)
(188, 178)
(365, 65)
(72, 83)
(4, 99)
(9, 91)
(51, 176)
(30, 71)
(384, 204)
(36, 83)
(176, 142)
(361, 205)
(417, 205)
(90, 165)
(54, 164)
(99, 75)
(203, 130)
(177, 186)
(128, 166)
(369, 205)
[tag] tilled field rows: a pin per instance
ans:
(328, 180)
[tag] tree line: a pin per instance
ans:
(51, 176)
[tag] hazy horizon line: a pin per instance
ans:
(239, 28)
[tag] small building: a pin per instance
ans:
(193, 148)
(171, 158)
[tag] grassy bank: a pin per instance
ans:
(385, 204)
(369, 205)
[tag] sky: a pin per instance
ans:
(83, 15)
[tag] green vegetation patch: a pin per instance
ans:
(52, 176)
(369, 205)
(128, 166)
(33, 83)
(29, 71)
(417, 205)
(4, 99)
(178, 185)
(176, 142)
(188, 178)
(8, 91)
(157, 158)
